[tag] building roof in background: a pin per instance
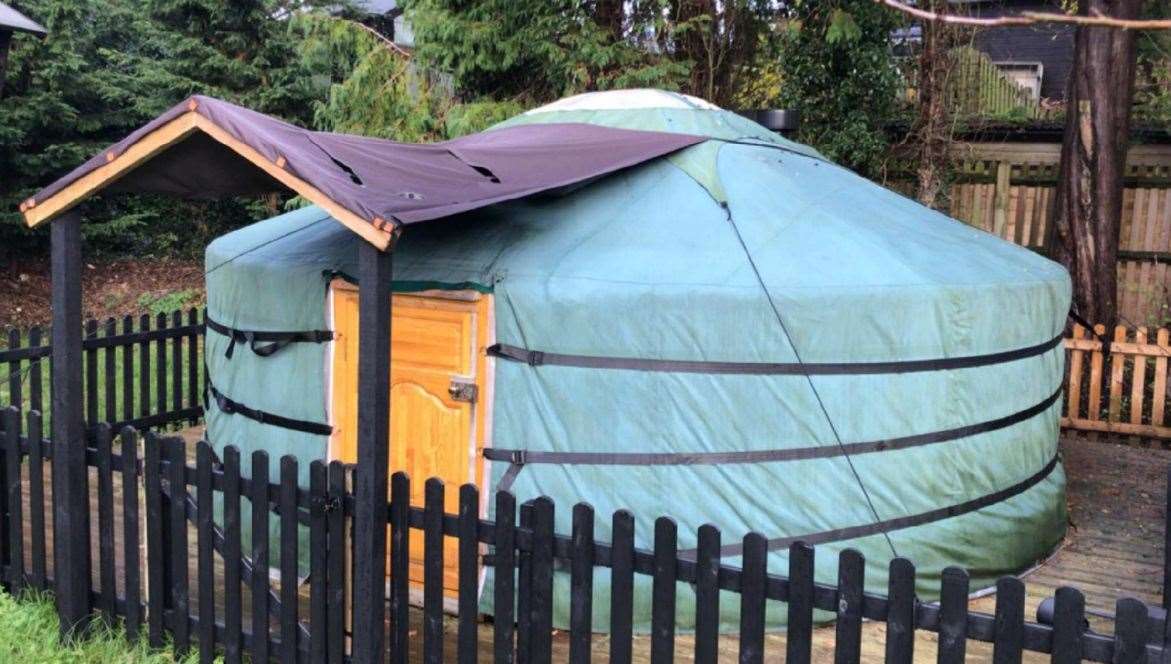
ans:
(1047, 43)
(14, 21)
(380, 7)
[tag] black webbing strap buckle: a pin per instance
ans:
(244, 337)
(224, 404)
(517, 457)
(256, 339)
(533, 358)
(231, 407)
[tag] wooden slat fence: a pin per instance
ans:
(1012, 197)
(979, 88)
(144, 372)
(204, 612)
(1117, 381)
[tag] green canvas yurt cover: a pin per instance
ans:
(744, 251)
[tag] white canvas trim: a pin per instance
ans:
(620, 100)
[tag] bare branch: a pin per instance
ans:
(1030, 18)
(378, 35)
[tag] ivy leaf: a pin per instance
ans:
(841, 27)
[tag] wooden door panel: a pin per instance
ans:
(424, 423)
(433, 341)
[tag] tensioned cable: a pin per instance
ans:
(808, 378)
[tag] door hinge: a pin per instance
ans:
(463, 391)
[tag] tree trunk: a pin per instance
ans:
(5, 39)
(1088, 206)
(696, 43)
(610, 16)
(932, 130)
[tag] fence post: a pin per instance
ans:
(663, 591)
(621, 587)
(374, 312)
(1000, 206)
(70, 475)
(707, 594)
(1167, 544)
(503, 633)
(1167, 561)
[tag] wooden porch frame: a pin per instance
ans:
(376, 232)
(71, 491)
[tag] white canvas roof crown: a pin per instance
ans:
(616, 100)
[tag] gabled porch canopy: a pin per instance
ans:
(205, 148)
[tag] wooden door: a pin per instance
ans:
(435, 342)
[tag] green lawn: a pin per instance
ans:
(28, 633)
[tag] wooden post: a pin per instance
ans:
(70, 476)
(1000, 206)
(374, 311)
(5, 41)
(1167, 553)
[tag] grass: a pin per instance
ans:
(157, 304)
(29, 629)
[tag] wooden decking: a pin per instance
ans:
(1114, 549)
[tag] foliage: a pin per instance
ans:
(1152, 93)
(165, 303)
(28, 633)
(719, 41)
(107, 67)
(838, 71)
(374, 87)
(469, 118)
(537, 50)
(763, 76)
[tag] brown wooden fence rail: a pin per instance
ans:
(145, 371)
(1007, 188)
(230, 606)
(1117, 381)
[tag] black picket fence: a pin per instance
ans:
(205, 591)
(143, 372)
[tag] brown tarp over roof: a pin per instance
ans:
(208, 148)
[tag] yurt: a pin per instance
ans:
(741, 333)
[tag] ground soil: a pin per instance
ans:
(115, 287)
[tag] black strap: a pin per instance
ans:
(275, 340)
(1104, 340)
(509, 476)
(537, 358)
(888, 525)
(519, 458)
(231, 407)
